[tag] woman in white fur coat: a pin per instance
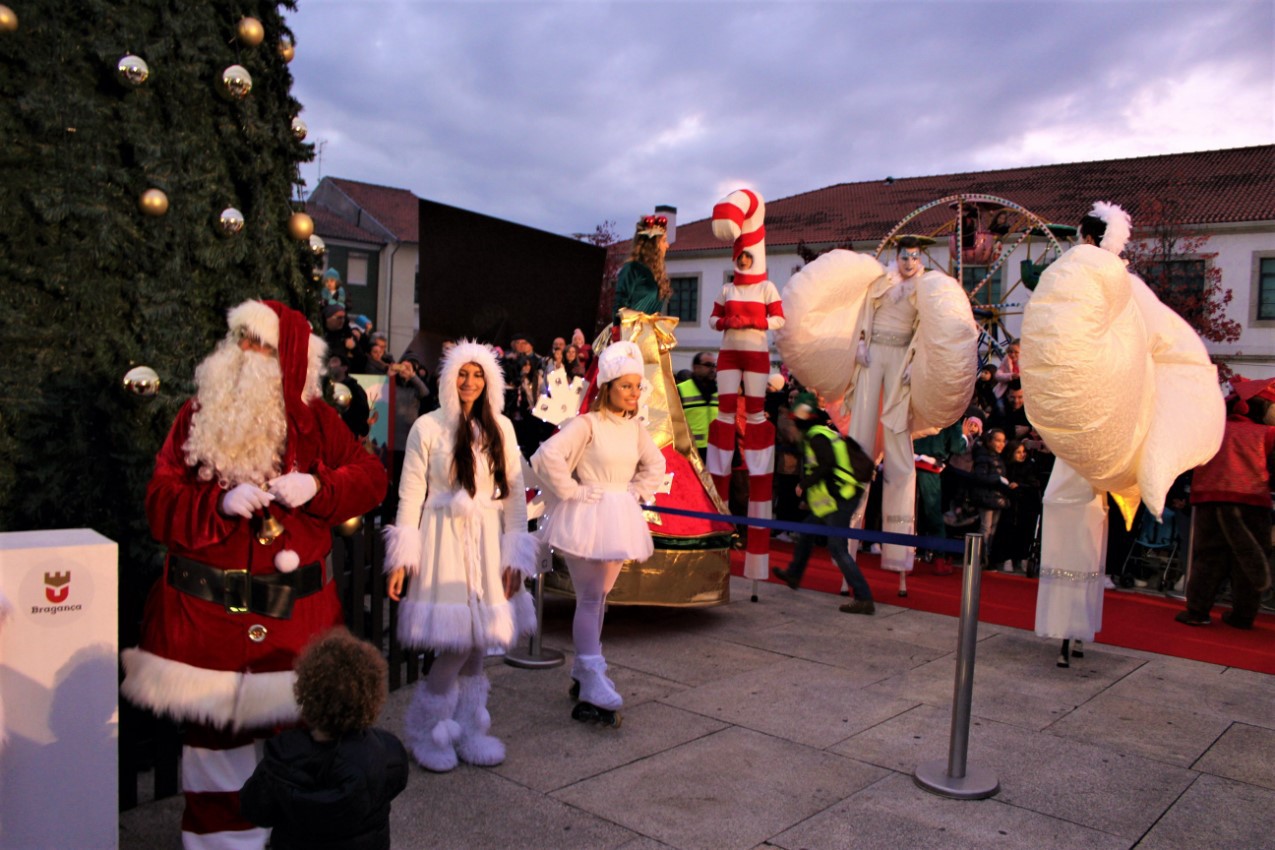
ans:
(461, 535)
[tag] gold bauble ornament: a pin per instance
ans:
(351, 526)
(341, 397)
(236, 82)
(318, 246)
(230, 221)
(250, 31)
(143, 380)
(153, 202)
(132, 70)
(286, 50)
(299, 129)
(8, 20)
(300, 226)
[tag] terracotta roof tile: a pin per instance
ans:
(1211, 186)
(396, 209)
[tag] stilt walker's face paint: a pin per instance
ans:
(911, 263)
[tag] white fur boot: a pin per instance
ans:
(595, 687)
(475, 745)
(431, 732)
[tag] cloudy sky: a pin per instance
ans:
(561, 115)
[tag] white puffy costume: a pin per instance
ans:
(455, 549)
(598, 469)
(922, 346)
(1122, 391)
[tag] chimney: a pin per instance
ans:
(671, 214)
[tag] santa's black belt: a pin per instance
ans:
(240, 592)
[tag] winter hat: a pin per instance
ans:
(775, 382)
(806, 406)
(332, 273)
(620, 358)
(469, 351)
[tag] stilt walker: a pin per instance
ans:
(747, 307)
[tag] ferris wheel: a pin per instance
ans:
(997, 249)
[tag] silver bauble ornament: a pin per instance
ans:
(341, 397)
(230, 221)
(299, 129)
(236, 82)
(143, 380)
(132, 70)
(317, 246)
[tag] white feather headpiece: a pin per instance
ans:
(1119, 226)
(469, 351)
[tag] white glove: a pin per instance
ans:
(1004, 480)
(294, 489)
(244, 500)
(861, 356)
(587, 493)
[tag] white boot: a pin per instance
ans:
(475, 745)
(430, 731)
(595, 687)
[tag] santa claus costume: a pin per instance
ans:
(234, 607)
(464, 549)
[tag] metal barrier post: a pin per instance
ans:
(954, 778)
(537, 657)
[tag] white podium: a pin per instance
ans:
(59, 682)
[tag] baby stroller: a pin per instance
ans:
(1154, 551)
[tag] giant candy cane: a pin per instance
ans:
(748, 307)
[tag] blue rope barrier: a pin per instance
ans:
(933, 544)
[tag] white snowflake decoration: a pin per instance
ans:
(563, 400)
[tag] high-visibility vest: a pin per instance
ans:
(699, 411)
(818, 498)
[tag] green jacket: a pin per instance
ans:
(635, 288)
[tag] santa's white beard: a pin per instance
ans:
(239, 429)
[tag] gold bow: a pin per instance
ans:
(633, 323)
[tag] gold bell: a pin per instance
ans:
(269, 529)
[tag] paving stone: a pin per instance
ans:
(1243, 753)
(1216, 813)
(895, 813)
(808, 703)
(733, 789)
(1162, 732)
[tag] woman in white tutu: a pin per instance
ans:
(600, 466)
(461, 534)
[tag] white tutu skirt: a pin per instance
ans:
(610, 529)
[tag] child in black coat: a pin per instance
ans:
(329, 786)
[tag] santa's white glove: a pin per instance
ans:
(244, 500)
(861, 356)
(587, 493)
(294, 489)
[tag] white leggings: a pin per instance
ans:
(450, 665)
(592, 581)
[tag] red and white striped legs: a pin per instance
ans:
(215, 765)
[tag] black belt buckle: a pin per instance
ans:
(237, 586)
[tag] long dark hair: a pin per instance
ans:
(493, 443)
(646, 250)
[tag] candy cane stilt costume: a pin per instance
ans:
(747, 307)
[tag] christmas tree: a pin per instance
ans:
(114, 177)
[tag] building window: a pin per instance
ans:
(683, 302)
(356, 269)
(991, 291)
(1177, 279)
(1266, 289)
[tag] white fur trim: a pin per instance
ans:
(463, 504)
(521, 550)
(316, 368)
(524, 605)
(1119, 226)
(618, 359)
(402, 548)
(457, 627)
(286, 560)
(214, 697)
(256, 318)
(469, 351)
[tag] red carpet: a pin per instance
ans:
(1133, 620)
